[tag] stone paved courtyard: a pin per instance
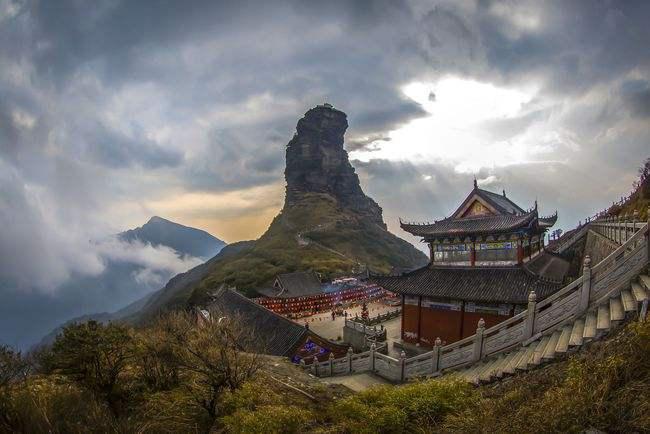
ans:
(324, 326)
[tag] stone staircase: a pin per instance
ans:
(595, 324)
(586, 309)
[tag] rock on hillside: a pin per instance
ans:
(327, 223)
(318, 163)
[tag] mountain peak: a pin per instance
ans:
(184, 239)
(318, 163)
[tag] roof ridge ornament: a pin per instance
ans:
(475, 183)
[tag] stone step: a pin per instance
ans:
(563, 341)
(482, 368)
(603, 321)
(510, 369)
(616, 312)
(488, 373)
(526, 359)
(577, 332)
(504, 364)
(629, 304)
(639, 293)
(539, 350)
(645, 281)
(470, 372)
(590, 326)
(549, 351)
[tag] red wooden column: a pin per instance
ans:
(520, 251)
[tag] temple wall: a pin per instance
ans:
(444, 324)
(470, 321)
(424, 320)
(410, 319)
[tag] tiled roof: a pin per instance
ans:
(547, 222)
(472, 225)
(480, 284)
(298, 284)
(500, 202)
(276, 335)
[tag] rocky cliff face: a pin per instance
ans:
(318, 163)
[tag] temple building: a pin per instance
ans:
(272, 333)
(484, 261)
(300, 294)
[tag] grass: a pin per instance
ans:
(606, 387)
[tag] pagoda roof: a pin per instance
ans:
(547, 222)
(460, 227)
(297, 284)
(479, 284)
(499, 203)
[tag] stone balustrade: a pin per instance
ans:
(597, 284)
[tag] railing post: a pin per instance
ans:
(314, 366)
(402, 365)
(435, 355)
(302, 363)
(478, 340)
(331, 366)
(530, 315)
(373, 347)
(350, 360)
(625, 227)
(585, 291)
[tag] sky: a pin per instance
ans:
(115, 111)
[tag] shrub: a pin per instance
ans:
(93, 355)
(403, 409)
(53, 405)
(268, 419)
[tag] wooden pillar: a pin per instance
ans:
(431, 253)
(520, 251)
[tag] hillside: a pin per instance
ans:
(327, 223)
(639, 200)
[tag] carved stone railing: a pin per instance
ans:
(596, 285)
(379, 318)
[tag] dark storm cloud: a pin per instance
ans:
(117, 150)
(636, 96)
(105, 106)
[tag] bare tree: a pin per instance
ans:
(210, 355)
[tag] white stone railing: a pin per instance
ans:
(596, 285)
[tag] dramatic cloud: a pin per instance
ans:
(116, 111)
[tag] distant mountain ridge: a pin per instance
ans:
(186, 240)
(327, 224)
(121, 276)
